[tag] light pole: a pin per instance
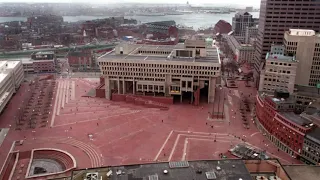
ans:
(219, 104)
(224, 98)
(220, 88)
(33, 133)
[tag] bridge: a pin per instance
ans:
(63, 50)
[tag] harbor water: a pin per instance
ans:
(195, 20)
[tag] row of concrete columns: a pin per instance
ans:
(122, 88)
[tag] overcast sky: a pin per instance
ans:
(193, 2)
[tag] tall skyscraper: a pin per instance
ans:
(278, 16)
(240, 22)
(305, 45)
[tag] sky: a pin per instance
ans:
(192, 2)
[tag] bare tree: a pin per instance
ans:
(231, 66)
(248, 76)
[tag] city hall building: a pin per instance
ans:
(187, 71)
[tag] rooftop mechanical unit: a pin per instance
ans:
(211, 175)
(91, 176)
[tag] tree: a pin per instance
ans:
(231, 66)
(248, 76)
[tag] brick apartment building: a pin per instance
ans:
(40, 62)
(275, 118)
(80, 59)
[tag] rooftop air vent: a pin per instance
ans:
(119, 172)
(153, 177)
(180, 164)
(92, 176)
(109, 173)
(211, 175)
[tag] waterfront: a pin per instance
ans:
(196, 20)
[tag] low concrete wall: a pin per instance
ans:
(102, 80)
(118, 97)
(147, 102)
(101, 93)
(85, 74)
(9, 166)
(164, 100)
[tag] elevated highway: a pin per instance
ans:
(63, 50)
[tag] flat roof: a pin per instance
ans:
(212, 55)
(29, 60)
(314, 135)
(279, 57)
(270, 96)
(183, 170)
(12, 64)
(306, 91)
(249, 45)
(44, 52)
(2, 76)
(2, 63)
(300, 172)
(297, 119)
(288, 100)
(161, 58)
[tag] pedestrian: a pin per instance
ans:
(70, 127)
(97, 124)
(206, 123)
(162, 120)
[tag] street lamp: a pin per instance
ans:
(224, 98)
(219, 102)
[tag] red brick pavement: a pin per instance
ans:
(129, 134)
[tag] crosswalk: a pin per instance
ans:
(177, 142)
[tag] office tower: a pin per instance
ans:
(276, 17)
(249, 9)
(240, 22)
(251, 32)
(279, 72)
(305, 45)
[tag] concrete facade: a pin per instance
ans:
(162, 70)
(275, 18)
(251, 32)
(11, 76)
(305, 45)
(243, 52)
(311, 148)
(279, 72)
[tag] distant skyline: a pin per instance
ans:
(255, 3)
